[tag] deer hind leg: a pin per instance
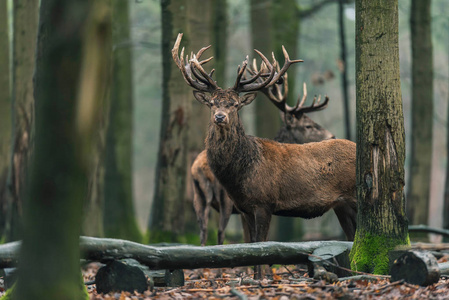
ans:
(226, 206)
(347, 216)
(201, 203)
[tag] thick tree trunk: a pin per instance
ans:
(5, 113)
(69, 86)
(200, 24)
(24, 40)
(119, 217)
(381, 219)
(422, 113)
(167, 213)
(266, 117)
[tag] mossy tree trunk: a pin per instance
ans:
(167, 214)
(422, 113)
(381, 219)
(119, 217)
(69, 85)
(5, 113)
(25, 20)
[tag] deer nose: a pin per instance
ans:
(220, 118)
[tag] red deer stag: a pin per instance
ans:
(297, 128)
(265, 177)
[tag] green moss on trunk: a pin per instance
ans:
(370, 253)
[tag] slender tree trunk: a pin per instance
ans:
(119, 216)
(422, 113)
(167, 214)
(69, 86)
(24, 40)
(5, 113)
(344, 73)
(446, 185)
(381, 219)
(266, 118)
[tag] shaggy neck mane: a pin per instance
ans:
(231, 152)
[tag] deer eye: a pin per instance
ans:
(308, 127)
(236, 104)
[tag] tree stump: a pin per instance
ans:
(416, 267)
(117, 277)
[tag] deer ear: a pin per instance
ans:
(247, 98)
(202, 97)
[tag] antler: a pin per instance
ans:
(262, 80)
(315, 106)
(278, 93)
(200, 79)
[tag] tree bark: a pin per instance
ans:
(167, 213)
(5, 113)
(24, 40)
(422, 113)
(119, 217)
(69, 85)
(381, 219)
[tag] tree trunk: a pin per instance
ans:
(446, 185)
(344, 73)
(119, 217)
(266, 117)
(69, 86)
(24, 40)
(5, 113)
(422, 113)
(167, 213)
(200, 24)
(381, 219)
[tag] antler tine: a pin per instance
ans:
(315, 106)
(285, 67)
(240, 71)
(212, 84)
(203, 81)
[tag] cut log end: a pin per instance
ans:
(415, 267)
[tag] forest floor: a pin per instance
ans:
(285, 282)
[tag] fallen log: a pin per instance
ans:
(415, 267)
(427, 229)
(187, 257)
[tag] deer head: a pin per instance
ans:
(225, 103)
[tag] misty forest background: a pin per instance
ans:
(319, 45)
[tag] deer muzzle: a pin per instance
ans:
(220, 118)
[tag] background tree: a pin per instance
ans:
(381, 219)
(5, 113)
(119, 217)
(446, 186)
(69, 86)
(422, 113)
(343, 69)
(25, 22)
(167, 213)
